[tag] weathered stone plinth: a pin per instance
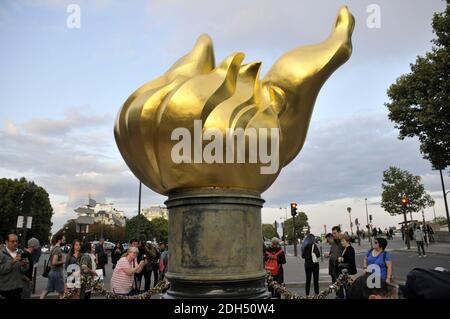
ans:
(215, 244)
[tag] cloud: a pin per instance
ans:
(73, 119)
(266, 27)
(346, 158)
(76, 158)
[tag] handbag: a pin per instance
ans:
(343, 265)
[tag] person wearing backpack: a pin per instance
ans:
(274, 259)
(311, 255)
(378, 256)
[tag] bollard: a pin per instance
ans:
(34, 278)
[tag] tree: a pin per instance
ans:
(301, 220)
(441, 220)
(420, 100)
(269, 231)
(396, 183)
(11, 191)
(96, 231)
(160, 229)
(145, 228)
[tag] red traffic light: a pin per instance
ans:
(404, 200)
(293, 209)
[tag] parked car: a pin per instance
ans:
(66, 248)
(45, 249)
(108, 245)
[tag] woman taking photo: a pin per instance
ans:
(122, 278)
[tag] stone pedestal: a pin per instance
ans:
(215, 244)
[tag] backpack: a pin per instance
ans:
(272, 265)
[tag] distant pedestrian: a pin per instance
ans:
(122, 277)
(163, 260)
(116, 254)
(381, 258)
(12, 266)
(430, 232)
(274, 259)
(311, 255)
(55, 280)
(29, 254)
(411, 233)
(419, 238)
(391, 234)
(101, 256)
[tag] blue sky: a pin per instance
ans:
(61, 89)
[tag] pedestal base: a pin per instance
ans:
(215, 244)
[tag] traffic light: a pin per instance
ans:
(293, 209)
(404, 201)
(370, 218)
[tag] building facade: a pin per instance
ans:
(155, 211)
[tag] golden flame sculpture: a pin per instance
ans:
(230, 95)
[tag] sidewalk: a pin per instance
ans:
(440, 249)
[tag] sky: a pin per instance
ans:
(61, 89)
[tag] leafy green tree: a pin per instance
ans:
(11, 191)
(70, 231)
(96, 231)
(160, 229)
(146, 229)
(397, 182)
(420, 100)
(301, 220)
(269, 231)
(441, 220)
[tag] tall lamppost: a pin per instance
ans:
(434, 212)
(293, 213)
(349, 209)
(368, 225)
(405, 202)
(445, 200)
(139, 213)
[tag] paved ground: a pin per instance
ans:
(404, 260)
